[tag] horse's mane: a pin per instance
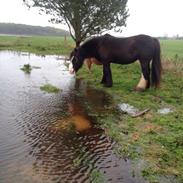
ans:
(91, 45)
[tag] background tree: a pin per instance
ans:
(84, 17)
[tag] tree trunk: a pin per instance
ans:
(77, 43)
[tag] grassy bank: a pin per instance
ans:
(154, 140)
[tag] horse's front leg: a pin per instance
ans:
(107, 75)
(103, 81)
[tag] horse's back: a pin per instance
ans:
(145, 46)
(120, 50)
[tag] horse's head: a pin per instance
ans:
(76, 60)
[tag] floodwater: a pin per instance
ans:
(51, 138)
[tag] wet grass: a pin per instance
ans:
(154, 138)
(26, 68)
(49, 88)
(77, 162)
(97, 177)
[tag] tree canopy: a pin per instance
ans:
(84, 17)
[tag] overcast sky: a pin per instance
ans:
(152, 17)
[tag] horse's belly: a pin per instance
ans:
(123, 61)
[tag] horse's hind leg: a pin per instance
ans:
(103, 81)
(142, 84)
(88, 64)
(145, 77)
(107, 75)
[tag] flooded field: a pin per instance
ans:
(52, 138)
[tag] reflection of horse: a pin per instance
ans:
(109, 49)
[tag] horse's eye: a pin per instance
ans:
(75, 59)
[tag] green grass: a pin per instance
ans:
(155, 138)
(172, 49)
(49, 88)
(57, 45)
(37, 44)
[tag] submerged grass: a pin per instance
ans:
(49, 88)
(97, 177)
(26, 68)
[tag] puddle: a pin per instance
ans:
(131, 110)
(78, 123)
(126, 108)
(134, 112)
(51, 137)
(165, 110)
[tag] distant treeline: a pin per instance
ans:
(21, 29)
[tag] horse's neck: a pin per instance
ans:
(89, 49)
(85, 55)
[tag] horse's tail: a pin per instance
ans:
(156, 65)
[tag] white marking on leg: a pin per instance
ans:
(142, 83)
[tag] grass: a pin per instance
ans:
(37, 44)
(58, 45)
(97, 177)
(49, 88)
(26, 68)
(172, 49)
(77, 162)
(154, 138)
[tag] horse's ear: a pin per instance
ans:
(75, 49)
(73, 52)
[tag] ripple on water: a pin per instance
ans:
(50, 137)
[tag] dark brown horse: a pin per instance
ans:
(109, 49)
(88, 61)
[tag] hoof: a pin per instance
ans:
(138, 89)
(107, 85)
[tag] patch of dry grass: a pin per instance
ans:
(175, 66)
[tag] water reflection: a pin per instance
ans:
(51, 137)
